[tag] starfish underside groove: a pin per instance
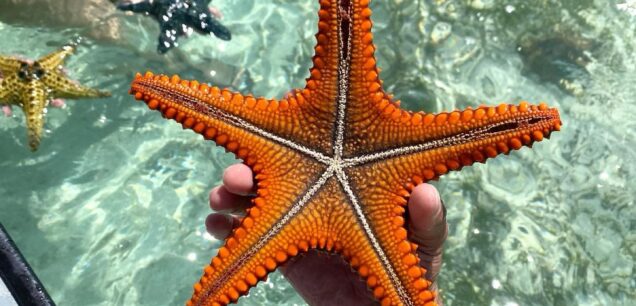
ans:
(335, 162)
(32, 84)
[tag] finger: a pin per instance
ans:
(429, 228)
(427, 214)
(58, 103)
(239, 179)
(221, 200)
(220, 225)
(6, 109)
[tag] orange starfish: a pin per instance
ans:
(335, 162)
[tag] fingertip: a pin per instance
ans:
(428, 227)
(222, 200)
(425, 207)
(219, 225)
(239, 179)
(215, 198)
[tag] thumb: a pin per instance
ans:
(427, 221)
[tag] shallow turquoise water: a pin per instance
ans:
(110, 210)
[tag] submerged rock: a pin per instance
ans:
(96, 15)
(560, 60)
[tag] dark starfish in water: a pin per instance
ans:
(178, 18)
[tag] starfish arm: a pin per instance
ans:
(168, 35)
(53, 61)
(203, 22)
(34, 99)
(9, 64)
(366, 100)
(321, 89)
(275, 120)
(388, 260)
(499, 134)
(65, 88)
(399, 130)
(4, 94)
(277, 227)
(219, 30)
(11, 90)
(344, 61)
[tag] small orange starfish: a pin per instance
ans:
(335, 161)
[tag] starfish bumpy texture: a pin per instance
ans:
(32, 84)
(335, 162)
(177, 18)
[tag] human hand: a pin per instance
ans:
(322, 278)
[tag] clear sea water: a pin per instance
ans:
(111, 209)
